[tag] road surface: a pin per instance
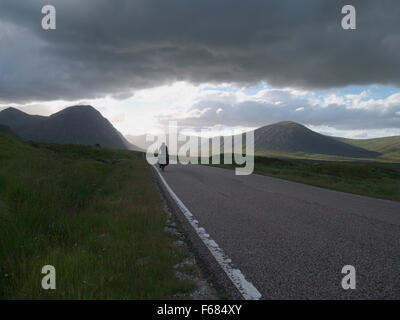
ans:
(291, 240)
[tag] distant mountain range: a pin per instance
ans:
(85, 125)
(292, 139)
(74, 125)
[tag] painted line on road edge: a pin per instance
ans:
(246, 288)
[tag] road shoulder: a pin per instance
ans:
(208, 265)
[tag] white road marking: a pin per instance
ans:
(246, 288)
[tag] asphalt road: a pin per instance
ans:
(292, 240)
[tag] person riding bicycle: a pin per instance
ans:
(163, 156)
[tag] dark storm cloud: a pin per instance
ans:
(113, 47)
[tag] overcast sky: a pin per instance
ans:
(219, 64)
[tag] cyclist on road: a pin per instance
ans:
(163, 156)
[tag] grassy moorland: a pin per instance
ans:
(374, 179)
(388, 147)
(92, 213)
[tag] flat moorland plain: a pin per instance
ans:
(369, 178)
(92, 213)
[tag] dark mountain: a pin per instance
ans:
(7, 130)
(20, 122)
(74, 125)
(291, 137)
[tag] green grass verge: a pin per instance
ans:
(89, 212)
(380, 180)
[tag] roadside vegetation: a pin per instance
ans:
(92, 213)
(374, 179)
